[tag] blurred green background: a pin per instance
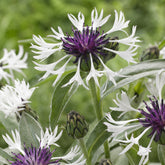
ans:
(20, 19)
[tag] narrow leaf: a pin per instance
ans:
(161, 45)
(97, 137)
(29, 128)
(61, 97)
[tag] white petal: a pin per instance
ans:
(98, 21)
(127, 54)
(93, 73)
(15, 143)
(49, 137)
(119, 23)
(76, 78)
(78, 23)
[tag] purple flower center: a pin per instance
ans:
(34, 156)
(154, 118)
(83, 43)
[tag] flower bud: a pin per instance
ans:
(77, 126)
(150, 53)
(105, 162)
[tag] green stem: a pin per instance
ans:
(95, 92)
(84, 150)
(96, 99)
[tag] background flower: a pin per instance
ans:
(12, 62)
(14, 98)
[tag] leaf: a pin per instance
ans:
(97, 137)
(61, 97)
(10, 122)
(161, 153)
(5, 155)
(132, 73)
(29, 128)
(161, 45)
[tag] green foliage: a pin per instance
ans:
(29, 128)
(19, 19)
(60, 99)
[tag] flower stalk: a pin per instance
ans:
(84, 150)
(97, 102)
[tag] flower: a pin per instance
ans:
(12, 62)
(151, 120)
(14, 98)
(154, 118)
(89, 48)
(41, 155)
(49, 137)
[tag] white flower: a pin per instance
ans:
(12, 62)
(71, 155)
(49, 137)
(156, 85)
(124, 104)
(127, 127)
(15, 143)
(88, 45)
(14, 98)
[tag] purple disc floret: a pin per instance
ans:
(154, 118)
(34, 156)
(87, 42)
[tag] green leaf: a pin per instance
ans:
(61, 97)
(97, 137)
(161, 153)
(161, 45)
(10, 122)
(5, 155)
(132, 73)
(29, 128)
(132, 156)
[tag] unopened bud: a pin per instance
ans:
(105, 162)
(150, 53)
(77, 126)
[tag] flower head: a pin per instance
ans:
(14, 98)
(33, 155)
(89, 48)
(154, 118)
(12, 62)
(41, 155)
